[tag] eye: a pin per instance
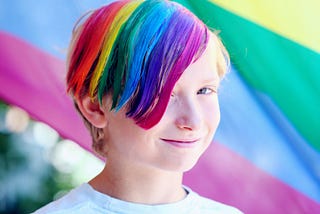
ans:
(206, 90)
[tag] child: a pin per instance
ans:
(144, 76)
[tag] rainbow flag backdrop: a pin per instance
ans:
(265, 157)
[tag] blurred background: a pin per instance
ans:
(36, 165)
(267, 147)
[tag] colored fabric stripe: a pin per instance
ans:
(293, 19)
(253, 132)
(239, 183)
(34, 81)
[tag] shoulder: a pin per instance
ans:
(77, 200)
(208, 206)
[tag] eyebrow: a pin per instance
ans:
(211, 80)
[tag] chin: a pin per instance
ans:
(181, 165)
(189, 166)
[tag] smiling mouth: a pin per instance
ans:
(181, 143)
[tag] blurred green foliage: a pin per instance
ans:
(28, 180)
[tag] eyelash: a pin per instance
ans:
(206, 90)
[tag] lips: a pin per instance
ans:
(181, 143)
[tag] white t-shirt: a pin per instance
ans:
(84, 199)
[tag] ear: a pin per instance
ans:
(92, 111)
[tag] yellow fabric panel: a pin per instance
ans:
(297, 20)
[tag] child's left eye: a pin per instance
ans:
(205, 91)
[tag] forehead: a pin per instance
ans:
(209, 59)
(205, 67)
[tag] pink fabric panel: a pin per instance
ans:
(34, 81)
(225, 176)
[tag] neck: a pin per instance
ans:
(152, 186)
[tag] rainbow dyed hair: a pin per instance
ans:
(135, 51)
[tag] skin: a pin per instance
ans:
(146, 166)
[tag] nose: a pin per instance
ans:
(188, 115)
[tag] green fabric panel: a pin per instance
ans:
(288, 72)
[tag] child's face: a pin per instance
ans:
(185, 130)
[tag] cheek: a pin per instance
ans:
(211, 115)
(123, 131)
